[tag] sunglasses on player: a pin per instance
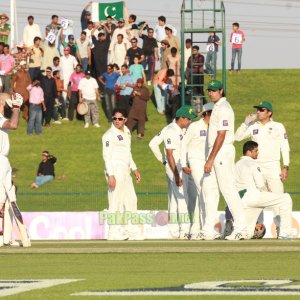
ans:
(119, 119)
(261, 109)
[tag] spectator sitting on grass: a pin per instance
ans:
(45, 171)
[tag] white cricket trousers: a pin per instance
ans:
(179, 220)
(122, 201)
(223, 177)
(5, 184)
(254, 201)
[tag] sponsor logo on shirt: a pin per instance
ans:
(202, 132)
(255, 131)
(225, 123)
(285, 136)
(120, 137)
(107, 144)
(168, 141)
(181, 136)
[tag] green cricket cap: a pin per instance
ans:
(215, 85)
(186, 111)
(264, 104)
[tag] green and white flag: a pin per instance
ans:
(101, 10)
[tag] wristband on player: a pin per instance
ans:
(286, 167)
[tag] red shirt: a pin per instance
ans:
(237, 38)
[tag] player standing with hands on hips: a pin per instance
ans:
(7, 189)
(220, 165)
(116, 145)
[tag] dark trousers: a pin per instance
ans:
(34, 73)
(74, 100)
(124, 102)
(50, 111)
(60, 108)
(150, 62)
(110, 102)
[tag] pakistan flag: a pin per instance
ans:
(101, 10)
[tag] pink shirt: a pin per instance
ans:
(36, 94)
(74, 79)
(237, 38)
(6, 62)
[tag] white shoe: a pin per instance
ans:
(57, 122)
(65, 119)
(290, 235)
(184, 236)
(173, 235)
(13, 244)
(86, 125)
(97, 125)
(236, 236)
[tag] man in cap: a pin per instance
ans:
(21, 55)
(7, 189)
(121, 29)
(89, 93)
(71, 44)
(6, 68)
(253, 190)
(272, 142)
(179, 222)
(116, 145)
(4, 28)
(193, 157)
(219, 166)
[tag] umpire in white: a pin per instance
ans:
(116, 145)
(220, 165)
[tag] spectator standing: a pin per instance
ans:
(88, 93)
(172, 39)
(138, 111)
(84, 49)
(73, 47)
(174, 63)
(118, 51)
(45, 171)
(109, 80)
(48, 85)
(4, 28)
(85, 16)
(67, 63)
(100, 53)
(213, 43)
(21, 55)
(36, 105)
(134, 51)
(6, 68)
(50, 51)
(237, 38)
(196, 62)
(111, 27)
(150, 49)
(161, 81)
(187, 52)
(137, 70)
(31, 30)
(126, 84)
(73, 91)
(121, 29)
(56, 66)
(165, 51)
(19, 83)
(53, 27)
(60, 104)
(36, 54)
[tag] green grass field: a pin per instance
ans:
(103, 265)
(80, 183)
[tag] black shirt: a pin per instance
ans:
(49, 87)
(131, 53)
(100, 50)
(148, 44)
(47, 167)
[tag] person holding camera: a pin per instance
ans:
(45, 171)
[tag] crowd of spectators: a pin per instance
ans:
(116, 53)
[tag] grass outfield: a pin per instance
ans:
(103, 265)
(80, 183)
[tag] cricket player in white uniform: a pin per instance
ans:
(272, 143)
(220, 165)
(179, 221)
(7, 189)
(116, 143)
(253, 189)
(194, 151)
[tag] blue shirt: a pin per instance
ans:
(136, 71)
(213, 39)
(110, 80)
(122, 81)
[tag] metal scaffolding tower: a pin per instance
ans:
(199, 18)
